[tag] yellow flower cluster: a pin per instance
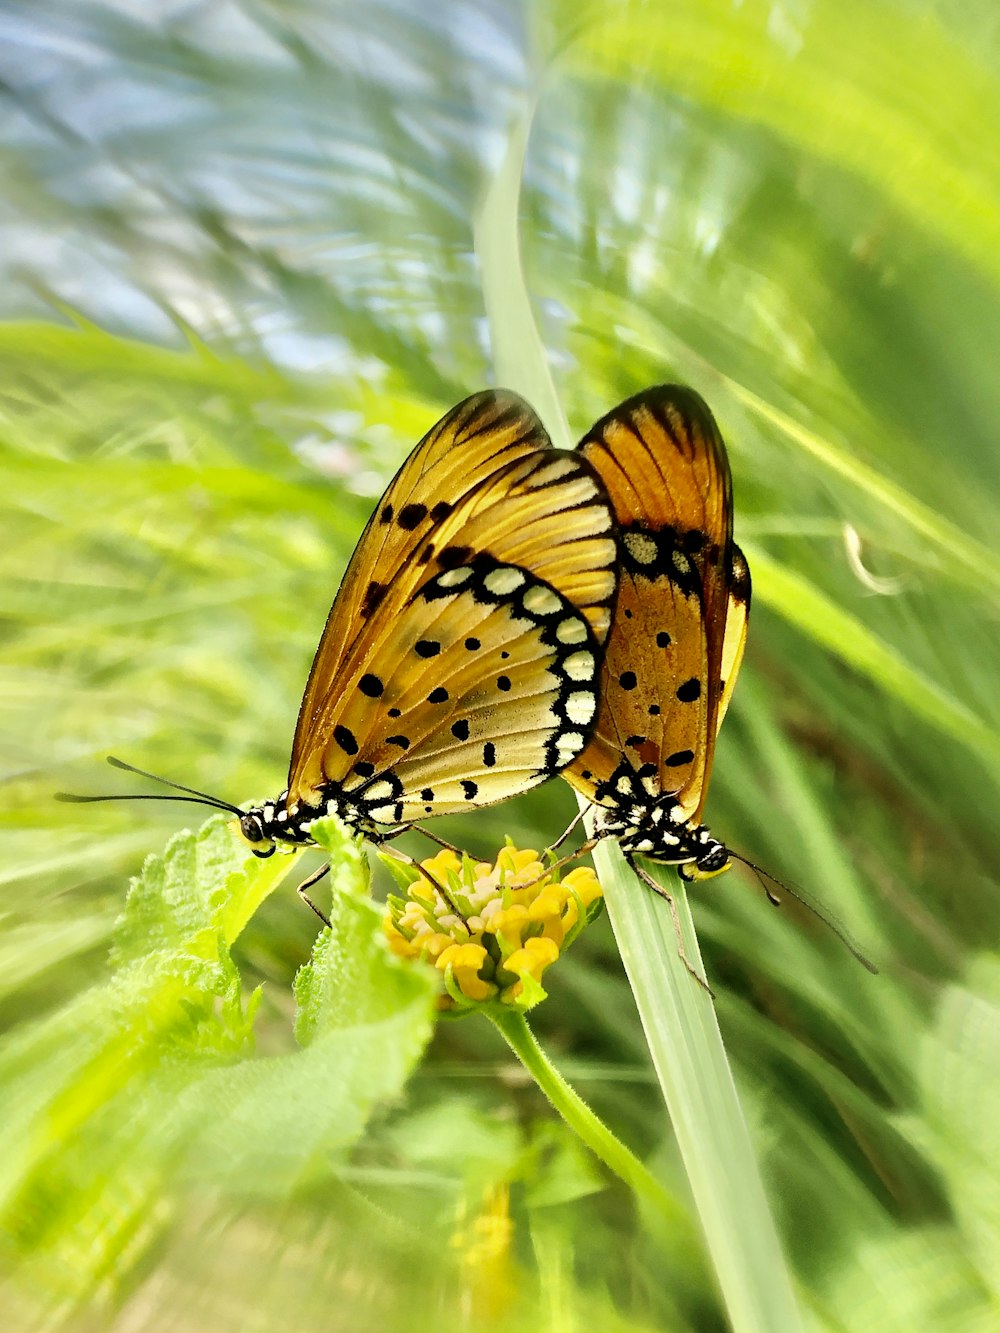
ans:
(513, 919)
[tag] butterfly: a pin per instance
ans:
(459, 663)
(679, 629)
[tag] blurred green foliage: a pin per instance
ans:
(239, 282)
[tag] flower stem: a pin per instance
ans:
(514, 1029)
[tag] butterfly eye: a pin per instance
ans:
(712, 861)
(252, 828)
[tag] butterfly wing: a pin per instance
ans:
(680, 622)
(482, 582)
(735, 637)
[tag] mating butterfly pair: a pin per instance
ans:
(512, 612)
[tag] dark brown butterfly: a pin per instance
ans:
(460, 659)
(679, 628)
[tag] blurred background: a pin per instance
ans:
(238, 281)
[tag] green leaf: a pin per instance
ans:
(203, 883)
(364, 1018)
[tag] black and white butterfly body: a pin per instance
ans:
(655, 825)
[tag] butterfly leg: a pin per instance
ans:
(582, 850)
(567, 831)
(449, 847)
(658, 888)
(307, 884)
(432, 880)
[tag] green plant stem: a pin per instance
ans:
(513, 1027)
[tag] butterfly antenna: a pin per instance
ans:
(766, 879)
(193, 797)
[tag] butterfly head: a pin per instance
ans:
(712, 857)
(252, 829)
(276, 825)
(660, 829)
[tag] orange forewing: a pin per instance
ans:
(680, 623)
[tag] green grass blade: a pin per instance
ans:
(685, 1043)
(676, 1013)
(806, 607)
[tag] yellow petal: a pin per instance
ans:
(465, 961)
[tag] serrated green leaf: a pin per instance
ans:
(364, 1020)
(203, 881)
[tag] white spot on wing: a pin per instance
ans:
(380, 790)
(641, 547)
(580, 666)
(580, 707)
(451, 578)
(503, 581)
(571, 631)
(541, 601)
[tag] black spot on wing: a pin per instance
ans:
(410, 515)
(453, 556)
(427, 648)
(460, 729)
(373, 597)
(689, 691)
(470, 789)
(627, 680)
(678, 758)
(489, 754)
(370, 685)
(345, 739)
(438, 695)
